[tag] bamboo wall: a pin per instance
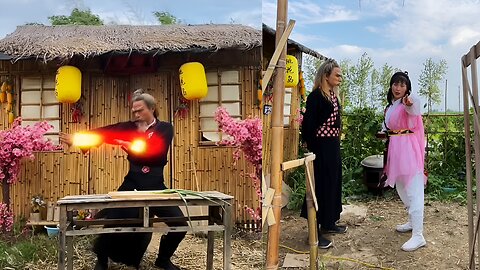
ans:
(105, 100)
(291, 133)
(215, 169)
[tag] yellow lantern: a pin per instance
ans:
(9, 107)
(193, 81)
(291, 74)
(68, 84)
(3, 97)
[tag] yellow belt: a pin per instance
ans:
(399, 132)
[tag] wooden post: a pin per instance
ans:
(477, 134)
(277, 139)
(210, 237)
(311, 214)
(227, 234)
(468, 159)
(62, 238)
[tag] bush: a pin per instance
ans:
(445, 160)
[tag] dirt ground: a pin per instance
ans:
(375, 241)
(191, 255)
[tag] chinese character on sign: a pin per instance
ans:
(267, 109)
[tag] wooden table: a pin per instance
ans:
(219, 219)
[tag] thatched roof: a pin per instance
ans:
(291, 43)
(50, 42)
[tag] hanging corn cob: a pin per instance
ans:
(4, 87)
(260, 94)
(9, 97)
(11, 117)
(303, 91)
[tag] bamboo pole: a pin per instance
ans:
(468, 159)
(477, 131)
(277, 53)
(311, 213)
(277, 139)
(477, 134)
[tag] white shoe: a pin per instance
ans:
(416, 242)
(404, 227)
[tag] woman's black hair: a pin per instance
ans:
(398, 77)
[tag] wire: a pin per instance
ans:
(369, 265)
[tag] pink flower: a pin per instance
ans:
(6, 218)
(17, 143)
(246, 136)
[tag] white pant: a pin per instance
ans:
(413, 199)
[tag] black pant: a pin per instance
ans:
(129, 248)
(170, 241)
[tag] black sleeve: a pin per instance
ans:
(119, 131)
(317, 111)
(165, 131)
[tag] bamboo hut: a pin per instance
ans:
(291, 103)
(115, 60)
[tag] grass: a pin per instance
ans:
(17, 251)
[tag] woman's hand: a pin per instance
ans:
(407, 100)
(66, 138)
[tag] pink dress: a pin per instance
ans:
(406, 153)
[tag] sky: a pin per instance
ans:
(133, 12)
(401, 33)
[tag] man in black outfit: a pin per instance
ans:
(145, 173)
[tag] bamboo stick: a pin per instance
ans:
(277, 138)
(311, 214)
(477, 135)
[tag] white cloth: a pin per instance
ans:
(413, 199)
(413, 196)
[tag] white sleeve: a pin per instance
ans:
(415, 109)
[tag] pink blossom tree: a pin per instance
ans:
(17, 143)
(247, 138)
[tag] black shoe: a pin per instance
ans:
(166, 264)
(334, 229)
(101, 265)
(323, 242)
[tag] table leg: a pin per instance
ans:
(62, 237)
(227, 235)
(146, 216)
(69, 252)
(210, 237)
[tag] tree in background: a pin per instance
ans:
(165, 18)
(77, 17)
(383, 82)
(363, 86)
(431, 75)
(359, 78)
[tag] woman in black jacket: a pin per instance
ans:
(321, 131)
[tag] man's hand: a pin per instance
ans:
(124, 144)
(407, 100)
(66, 138)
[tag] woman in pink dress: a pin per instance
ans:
(406, 154)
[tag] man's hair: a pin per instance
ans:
(141, 95)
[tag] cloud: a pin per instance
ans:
(252, 17)
(305, 38)
(307, 12)
(464, 36)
